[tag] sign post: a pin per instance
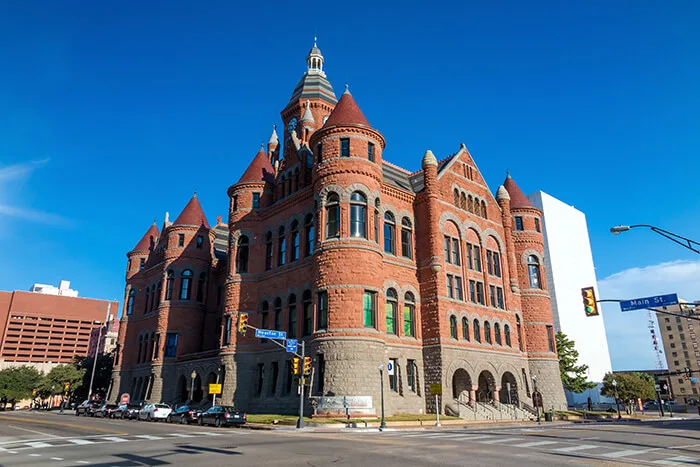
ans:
(214, 389)
(436, 390)
(301, 391)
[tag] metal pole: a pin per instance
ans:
(617, 401)
(437, 410)
(536, 400)
(382, 425)
(300, 424)
(97, 350)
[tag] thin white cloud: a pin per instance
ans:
(34, 216)
(629, 337)
(16, 171)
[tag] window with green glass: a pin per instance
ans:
(390, 310)
(369, 307)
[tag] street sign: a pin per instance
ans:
(270, 334)
(435, 389)
(125, 398)
(693, 380)
(292, 345)
(390, 368)
(214, 388)
(649, 302)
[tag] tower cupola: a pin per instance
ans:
(315, 61)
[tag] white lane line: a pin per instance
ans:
(500, 440)
(38, 444)
(535, 443)
(580, 447)
(57, 458)
(81, 462)
(589, 438)
(115, 439)
(80, 441)
(627, 452)
(35, 455)
(48, 435)
(679, 460)
(461, 435)
(181, 435)
(209, 433)
(685, 446)
(150, 437)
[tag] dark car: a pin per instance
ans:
(87, 408)
(105, 410)
(220, 415)
(128, 411)
(184, 415)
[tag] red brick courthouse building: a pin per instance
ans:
(363, 260)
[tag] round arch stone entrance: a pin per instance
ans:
(487, 387)
(461, 385)
(509, 389)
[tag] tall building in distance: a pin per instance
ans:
(680, 341)
(570, 268)
(103, 339)
(63, 289)
(365, 262)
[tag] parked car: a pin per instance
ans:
(220, 415)
(105, 410)
(87, 408)
(128, 411)
(154, 412)
(184, 415)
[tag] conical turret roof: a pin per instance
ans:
(517, 197)
(347, 112)
(259, 170)
(192, 214)
(148, 238)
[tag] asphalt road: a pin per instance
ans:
(49, 439)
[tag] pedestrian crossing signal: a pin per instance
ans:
(307, 366)
(33, 392)
(296, 367)
(242, 323)
(590, 304)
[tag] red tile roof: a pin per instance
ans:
(192, 214)
(260, 169)
(517, 197)
(346, 112)
(148, 239)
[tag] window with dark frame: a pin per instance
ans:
(344, 147)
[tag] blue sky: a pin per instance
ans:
(112, 113)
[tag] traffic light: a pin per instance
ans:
(66, 386)
(307, 366)
(687, 373)
(242, 323)
(589, 301)
(295, 365)
(34, 392)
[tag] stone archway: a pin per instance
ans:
(182, 389)
(509, 389)
(198, 393)
(461, 385)
(487, 387)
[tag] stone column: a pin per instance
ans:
(472, 393)
(497, 393)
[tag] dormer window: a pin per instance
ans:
(345, 147)
(180, 240)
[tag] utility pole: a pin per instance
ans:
(97, 350)
(301, 391)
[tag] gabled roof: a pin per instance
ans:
(347, 112)
(517, 197)
(148, 238)
(192, 214)
(259, 170)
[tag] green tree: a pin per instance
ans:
(59, 375)
(17, 383)
(103, 375)
(573, 376)
(630, 387)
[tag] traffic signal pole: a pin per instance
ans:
(301, 392)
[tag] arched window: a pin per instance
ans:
(358, 215)
(138, 356)
(453, 327)
(456, 194)
(268, 251)
(159, 291)
(309, 234)
(389, 230)
(477, 207)
(322, 310)
(200, 287)
(487, 332)
(463, 201)
(185, 284)
(332, 215)
(470, 204)
(519, 331)
(265, 315)
(294, 254)
(390, 310)
(533, 271)
(277, 325)
(281, 247)
(477, 330)
(146, 303)
(409, 314)
(497, 333)
(152, 353)
(506, 334)
(465, 329)
(406, 238)
(308, 310)
(483, 210)
(292, 317)
(242, 253)
(169, 284)
(130, 302)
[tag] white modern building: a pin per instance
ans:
(569, 265)
(62, 289)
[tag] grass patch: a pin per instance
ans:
(270, 418)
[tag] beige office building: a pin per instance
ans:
(680, 340)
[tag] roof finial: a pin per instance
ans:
(155, 221)
(195, 194)
(508, 174)
(347, 89)
(315, 39)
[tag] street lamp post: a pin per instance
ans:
(97, 350)
(536, 398)
(692, 245)
(382, 425)
(192, 377)
(617, 400)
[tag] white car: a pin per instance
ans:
(154, 412)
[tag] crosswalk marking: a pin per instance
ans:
(38, 444)
(626, 452)
(115, 439)
(209, 433)
(181, 435)
(499, 440)
(580, 447)
(534, 443)
(679, 460)
(149, 437)
(80, 441)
